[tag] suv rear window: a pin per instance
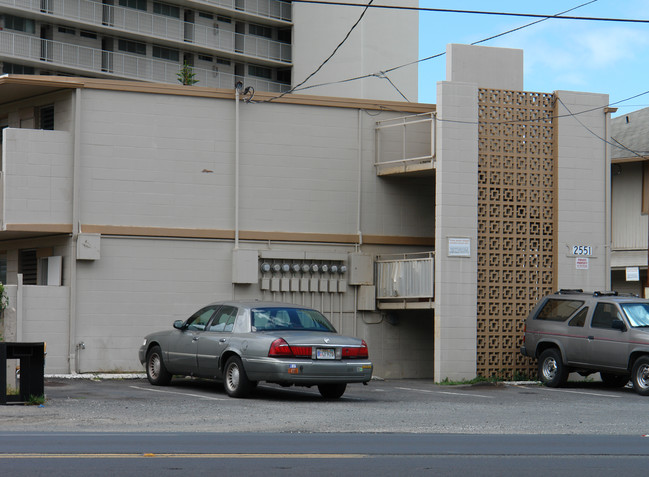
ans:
(558, 310)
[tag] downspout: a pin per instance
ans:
(360, 172)
(237, 92)
(607, 199)
(72, 324)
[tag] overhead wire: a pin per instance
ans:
(369, 75)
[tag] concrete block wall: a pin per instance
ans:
(583, 171)
(170, 163)
(143, 285)
(456, 217)
(37, 176)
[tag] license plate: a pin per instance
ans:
(325, 353)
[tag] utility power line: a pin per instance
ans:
(475, 12)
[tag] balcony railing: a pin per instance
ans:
(275, 9)
(50, 54)
(405, 281)
(159, 26)
(405, 144)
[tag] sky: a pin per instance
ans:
(574, 55)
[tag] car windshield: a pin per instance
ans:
(637, 313)
(268, 319)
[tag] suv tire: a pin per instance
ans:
(640, 375)
(552, 371)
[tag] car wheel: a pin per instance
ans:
(640, 375)
(332, 391)
(614, 380)
(235, 379)
(156, 372)
(552, 371)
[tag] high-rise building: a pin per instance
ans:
(270, 45)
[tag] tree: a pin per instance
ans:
(186, 75)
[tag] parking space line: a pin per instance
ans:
(182, 394)
(445, 392)
(570, 391)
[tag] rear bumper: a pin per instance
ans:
(308, 372)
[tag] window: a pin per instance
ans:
(3, 265)
(284, 76)
(284, 36)
(166, 10)
(259, 71)
(205, 58)
(209, 16)
(224, 319)
(28, 266)
(558, 310)
(223, 19)
(223, 61)
(136, 4)
(260, 30)
(165, 53)
(19, 24)
(580, 318)
(604, 316)
(199, 320)
(87, 34)
(132, 46)
(45, 117)
(11, 68)
(637, 313)
(67, 30)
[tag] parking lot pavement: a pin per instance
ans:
(419, 406)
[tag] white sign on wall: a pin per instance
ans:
(632, 274)
(581, 263)
(459, 247)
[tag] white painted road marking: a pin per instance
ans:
(570, 391)
(182, 394)
(446, 392)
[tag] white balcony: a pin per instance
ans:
(406, 281)
(91, 61)
(406, 144)
(272, 9)
(149, 25)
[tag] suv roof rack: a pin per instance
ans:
(568, 291)
(605, 293)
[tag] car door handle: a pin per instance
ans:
(591, 337)
(195, 338)
(222, 340)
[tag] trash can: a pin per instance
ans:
(32, 372)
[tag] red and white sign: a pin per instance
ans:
(581, 263)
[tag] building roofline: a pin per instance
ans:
(19, 87)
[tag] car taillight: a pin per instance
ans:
(357, 352)
(280, 347)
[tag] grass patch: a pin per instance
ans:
(491, 379)
(35, 400)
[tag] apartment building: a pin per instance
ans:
(428, 230)
(630, 201)
(269, 45)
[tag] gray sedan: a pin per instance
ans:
(242, 343)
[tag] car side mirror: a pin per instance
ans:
(618, 325)
(179, 324)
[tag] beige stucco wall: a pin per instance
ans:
(583, 205)
(385, 38)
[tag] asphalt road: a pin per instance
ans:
(406, 427)
(253, 454)
(406, 406)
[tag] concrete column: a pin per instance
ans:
(456, 213)
(583, 202)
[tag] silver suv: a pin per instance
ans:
(605, 332)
